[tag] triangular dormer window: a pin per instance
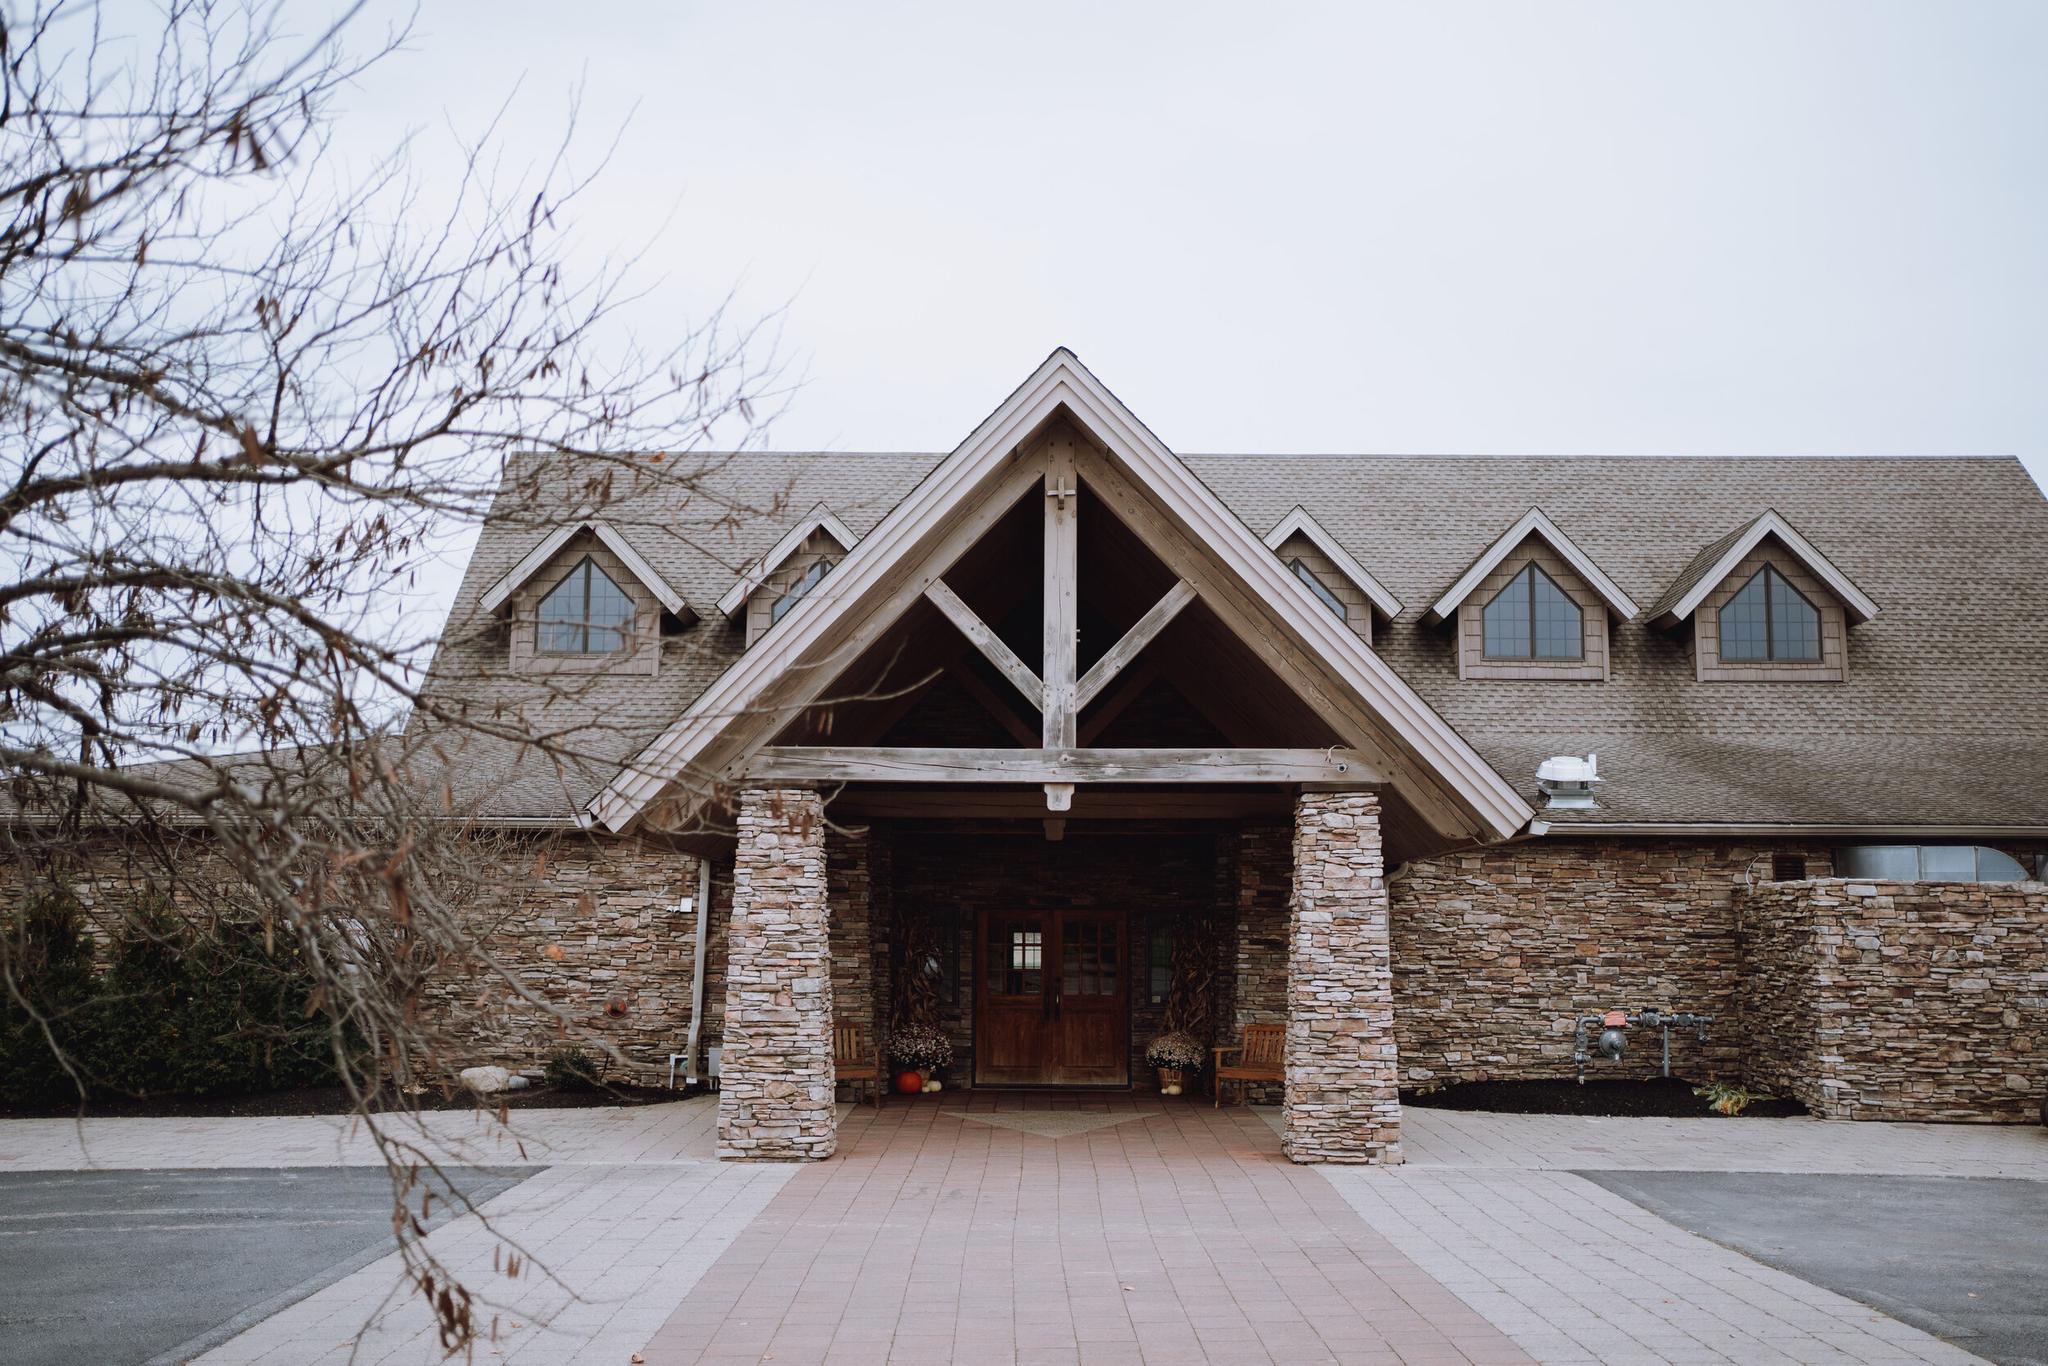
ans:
(585, 614)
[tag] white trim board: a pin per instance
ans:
(1383, 602)
(1854, 601)
(1445, 778)
(819, 518)
(1534, 523)
(537, 559)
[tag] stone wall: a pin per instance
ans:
(1906, 1001)
(849, 891)
(590, 928)
(776, 1098)
(1498, 951)
(1265, 885)
(1342, 1068)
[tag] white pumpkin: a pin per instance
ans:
(935, 1085)
(1172, 1090)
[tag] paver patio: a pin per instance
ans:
(995, 1227)
(1179, 1234)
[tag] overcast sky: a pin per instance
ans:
(1567, 227)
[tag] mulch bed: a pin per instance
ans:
(332, 1100)
(1659, 1097)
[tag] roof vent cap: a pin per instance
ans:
(1568, 781)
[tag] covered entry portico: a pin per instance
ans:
(1057, 989)
(1061, 633)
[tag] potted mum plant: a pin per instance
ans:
(1175, 1054)
(920, 1050)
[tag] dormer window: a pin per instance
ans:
(1319, 588)
(796, 592)
(585, 614)
(1532, 618)
(1765, 606)
(1533, 606)
(1331, 574)
(1769, 619)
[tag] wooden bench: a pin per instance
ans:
(854, 1060)
(1258, 1060)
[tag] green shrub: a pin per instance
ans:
(50, 955)
(175, 1012)
(572, 1069)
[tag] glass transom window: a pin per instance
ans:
(585, 614)
(808, 580)
(1532, 618)
(1769, 619)
(1319, 588)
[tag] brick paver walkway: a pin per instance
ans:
(1179, 1235)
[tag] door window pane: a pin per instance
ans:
(1015, 958)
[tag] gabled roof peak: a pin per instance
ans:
(538, 558)
(819, 518)
(1535, 523)
(1299, 522)
(1718, 560)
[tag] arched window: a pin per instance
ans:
(1769, 619)
(1532, 618)
(585, 614)
(1319, 588)
(794, 594)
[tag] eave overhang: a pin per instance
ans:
(1535, 523)
(1300, 523)
(741, 709)
(1711, 568)
(819, 518)
(538, 558)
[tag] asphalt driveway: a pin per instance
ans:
(1963, 1258)
(133, 1266)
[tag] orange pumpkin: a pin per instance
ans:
(909, 1083)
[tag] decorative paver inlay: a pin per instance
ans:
(1049, 1123)
(1185, 1239)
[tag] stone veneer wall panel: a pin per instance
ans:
(1265, 885)
(1342, 1065)
(848, 890)
(776, 1098)
(1899, 1001)
(1498, 951)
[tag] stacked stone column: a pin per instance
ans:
(775, 1101)
(1342, 1065)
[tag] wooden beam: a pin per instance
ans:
(984, 639)
(1137, 638)
(997, 706)
(1059, 767)
(1103, 803)
(1062, 621)
(1423, 789)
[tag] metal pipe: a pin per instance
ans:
(697, 970)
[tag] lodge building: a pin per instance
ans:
(1061, 733)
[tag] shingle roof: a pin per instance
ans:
(1940, 721)
(1697, 570)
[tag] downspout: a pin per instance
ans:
(697, 971)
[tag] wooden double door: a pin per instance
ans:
(1052, 998)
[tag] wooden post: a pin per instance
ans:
(1061, 664)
